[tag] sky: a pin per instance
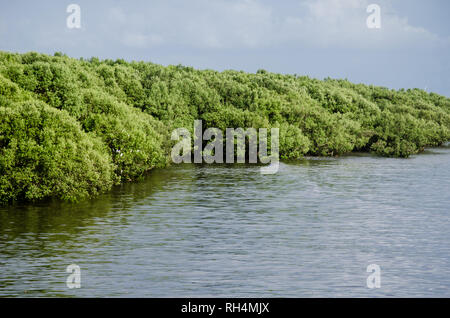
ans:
(318, 38)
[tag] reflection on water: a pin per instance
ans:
(309, 230)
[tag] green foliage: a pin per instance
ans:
(44, 152)
(293, 143)
(135, 139)
(72, 128)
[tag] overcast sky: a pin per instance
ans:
(319, 38)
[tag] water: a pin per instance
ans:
(310, 230)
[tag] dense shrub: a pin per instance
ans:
(134, 138)
(72, 128)
(45, 153)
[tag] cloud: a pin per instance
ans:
(236, 24)
(342, 23)
(252, 24)
(201, 23)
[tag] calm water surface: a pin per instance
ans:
(310, 230)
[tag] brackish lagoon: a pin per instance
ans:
(310, 230)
